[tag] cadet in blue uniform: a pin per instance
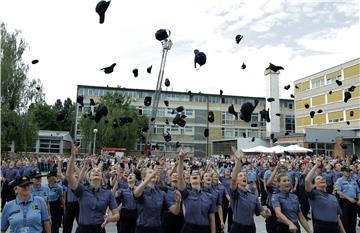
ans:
(349, 193)
(199, 208)
(271, 189)
(325, 207)
(128, 214)
(150, 201)
(93, 200)
(244, 203)
(207, 187)
(9, 174)
(55, 201)
(300, 190)
(287, 208)
(39, 190)
(26, 213)
(170, 222)
(329, 177)
(227, 211)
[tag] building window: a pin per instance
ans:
(290, 123)
(336, 120)
(159, 129)
(255, 117)
(227, 118)
(189, 113)
(161, 112)
(189, 130)
(331, 80)
(317, 83)
(239, 132)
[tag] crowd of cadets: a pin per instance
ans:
(187, 194)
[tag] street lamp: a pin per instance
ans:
(161, 35)
(95, 131)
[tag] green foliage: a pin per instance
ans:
(17, 92)
(108, 136)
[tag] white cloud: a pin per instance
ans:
(72, 46)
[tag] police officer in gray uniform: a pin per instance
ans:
(93, 199)
(325, 207)
(27, 213)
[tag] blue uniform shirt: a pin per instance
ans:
(149, 206)
(42, 191)
(55, 192)
(10, 173)
(325, 207)
(329, 177)
(251, 176)
(93, 204)
(244, 205)
(221, 190)
(70, 196)
(337, 175)
(214, 194)
(348, 186)
(289, 204)
(226, 182)
(198, 206)
(24, 216)
(126, 197)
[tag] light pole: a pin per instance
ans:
(162, 36)
(95, 131)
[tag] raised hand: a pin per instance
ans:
(236, 153)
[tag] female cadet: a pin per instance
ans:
(149, 203)
(325, 207)
(128, 215)
(287, 208)
(349, 193)
(329, 177)
(55, 201)
(199, 208)
(244, 203)
(26, 213)
(93, 199)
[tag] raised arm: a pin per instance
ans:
(84, 169)
(139, 190)
(59, 164)
(272, 177)
(73, 183)
(309, 176)
(180, 167)
(236, 169)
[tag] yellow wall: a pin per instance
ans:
(299, 104)
(306, 85)
(318, 100)
(352, 70)
(302, 121)
(319, 119)
(333, 74)
(356, 92)
(335, 115)
(356, 114)
(335, 96)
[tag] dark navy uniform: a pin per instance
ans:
(227, 211)
(24, 217)
(290, 207)
(349, 210)
(7, 192)
(93, 204)
(301, 193)
(325, 211)
(244, 204)
(198, 205)
(171, 223)
(71, 210)
(128, 215)
(55, 196)
(149, 206)
(329, 177)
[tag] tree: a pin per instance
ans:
(17, 91)
(125, 135)
(44, 116)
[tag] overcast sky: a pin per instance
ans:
(65, 35)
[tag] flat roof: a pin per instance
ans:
(333, 67)
(176, 92)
